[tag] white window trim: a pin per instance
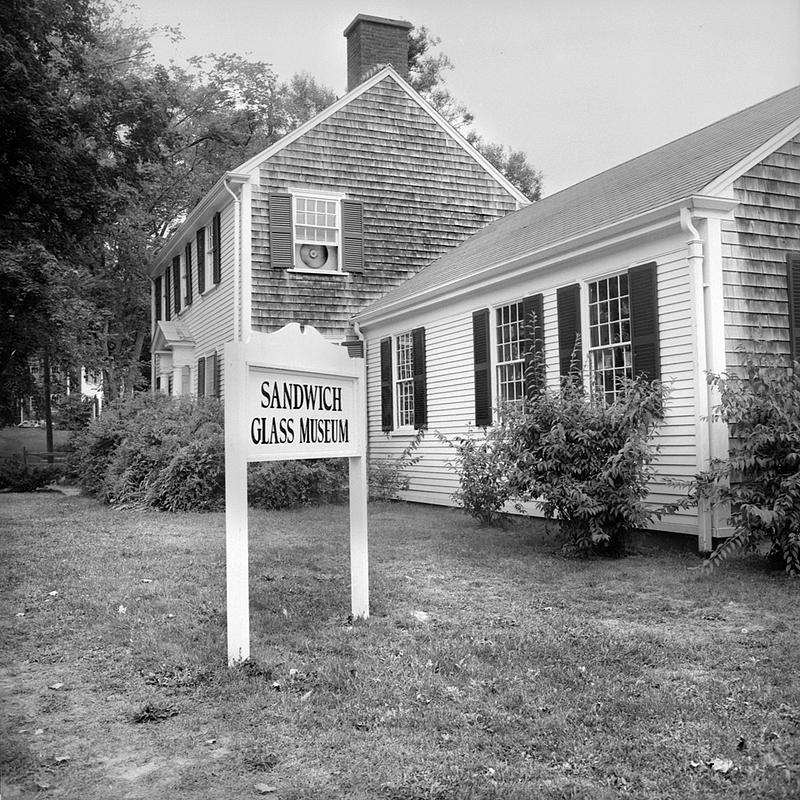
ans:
(208, 266)
(184, 277)
(318, 194)
(398, 427)
(493, 342)
(586, 335)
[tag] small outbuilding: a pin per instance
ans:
(671, 265)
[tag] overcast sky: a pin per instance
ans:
(579, 85)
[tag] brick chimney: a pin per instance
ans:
(374, 42)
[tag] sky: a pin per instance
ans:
(578, 85)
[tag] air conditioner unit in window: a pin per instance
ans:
(316, 256)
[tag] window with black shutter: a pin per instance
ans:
(188, 258)
(568, 302)
(157, 297)
(533, 327)
(352, 236)
(176, 282)
(200, 247)
(482, 367)
(216, 238)
(793, 284)
(167, 296)
(280, 231)
(420, 378)
(201, 377)
(646, 353)
(387, 409)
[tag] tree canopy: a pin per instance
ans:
(103, 152)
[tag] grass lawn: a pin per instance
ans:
(490, 668)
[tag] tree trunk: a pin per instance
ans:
(48, 411)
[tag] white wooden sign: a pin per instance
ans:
(290, 395)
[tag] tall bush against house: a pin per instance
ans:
(583, 462)
(760, 480)
(588, 463)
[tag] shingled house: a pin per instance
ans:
(670, 265)
(324, 221)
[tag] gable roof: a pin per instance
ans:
(380, 75)
(687, 166)
(249, 167)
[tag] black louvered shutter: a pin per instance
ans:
(212, 374)
(643, 291)
(167, 296)
(176, 282)
(793, 275)
(201, 260)
(568, 301)
(352, 236)
(280, 231)
(482, 367)
(201, 377)
(216, 239)
(533, 326)
(188, 256)
(157, 293)
(420, 379)
(387, 410)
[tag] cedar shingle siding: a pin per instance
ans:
(766, 226)
(422, 194)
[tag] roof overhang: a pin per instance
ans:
(551, 256)
(171, 335)
(214, 200)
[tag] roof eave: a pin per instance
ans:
(550, 254)
(210, 201)
(723, 183)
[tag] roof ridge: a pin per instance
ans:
(675, 141)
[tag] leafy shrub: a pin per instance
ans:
(760, 480)
(587, 463)
(386, 477)
(16, 476)
(484, 464)
(584, 462)
(291, 484)
(153, 450)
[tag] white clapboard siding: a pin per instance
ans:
(450, 387)
(210, 317)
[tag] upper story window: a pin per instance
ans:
(510, 349)
(316, 233)
(404, 380)
(610, 347)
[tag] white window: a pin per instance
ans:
(316, 233)
(510, 349)
(404, 380)
(208, 262)
(184, 281)
(610, 353)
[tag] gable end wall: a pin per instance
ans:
(765, 227)
(422, 194)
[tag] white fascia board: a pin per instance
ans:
(209, 202)
(722, 185)
(389, 72)
(539, 260)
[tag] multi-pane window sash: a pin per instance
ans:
(316, 220)
(510, 337)
(404, 380)
(610, 352)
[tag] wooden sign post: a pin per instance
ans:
(290, 395)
